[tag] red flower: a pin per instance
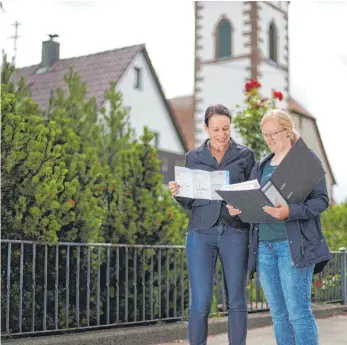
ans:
(72, 202)
(318, 283)
(253, 84)
(278, 95)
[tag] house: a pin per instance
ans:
(236, 41)
(132, 70)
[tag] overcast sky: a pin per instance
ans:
(318, 50)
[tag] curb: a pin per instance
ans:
(162, 333)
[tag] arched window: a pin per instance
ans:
(223, 39)
(273, 44)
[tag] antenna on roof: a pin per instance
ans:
(15, 38)
(2, 7)
(53, 36)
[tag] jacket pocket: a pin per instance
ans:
(308, 230)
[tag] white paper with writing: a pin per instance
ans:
(200, 184)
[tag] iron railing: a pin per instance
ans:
(73, 286)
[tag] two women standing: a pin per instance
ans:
(285, 254)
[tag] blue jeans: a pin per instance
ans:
(287, 290)
(203, 247)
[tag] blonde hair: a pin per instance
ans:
(284, 120)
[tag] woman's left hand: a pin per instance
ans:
(280, 211)
(233, 211)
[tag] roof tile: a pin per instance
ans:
(97, 70)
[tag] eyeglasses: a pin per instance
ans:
(272, 135)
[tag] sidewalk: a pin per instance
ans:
(332, 321)
(332, 331)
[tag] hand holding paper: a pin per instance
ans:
(233, 211)
(200, 184)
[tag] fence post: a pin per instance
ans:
(343, 276)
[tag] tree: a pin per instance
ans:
(51, 190)
(247, 120)
(77, 173)
(31, 170)
(334, 222)
(138, 209)
(48, 169)
(77, 118)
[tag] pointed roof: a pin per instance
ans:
(295, 107)
(97, 70)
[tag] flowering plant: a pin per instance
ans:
(247, 118)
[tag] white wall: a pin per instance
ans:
(223, 83)
(147, 106)
(273, 79)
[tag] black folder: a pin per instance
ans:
(292, 181)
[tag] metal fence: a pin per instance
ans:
(70, 286)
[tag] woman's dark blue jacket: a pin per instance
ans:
(303, 228)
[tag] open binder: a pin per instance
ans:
(292, 181)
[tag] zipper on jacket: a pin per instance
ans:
(302, 249)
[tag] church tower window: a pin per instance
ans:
(223, 39)
(273, 44)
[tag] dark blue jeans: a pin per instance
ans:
(203, 248)
(287, 289)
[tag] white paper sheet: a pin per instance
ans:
(200, 184)
(248, 185)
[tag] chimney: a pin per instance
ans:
(50, 52)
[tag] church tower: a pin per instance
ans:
(236, 41)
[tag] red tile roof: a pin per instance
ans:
(183, 111)
(295, 107)
(298, 109)
(97, 70)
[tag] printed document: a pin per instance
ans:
(200, 184)
(254, 184)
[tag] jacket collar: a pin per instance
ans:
(205, 155)
(261, 164)
(265, 159)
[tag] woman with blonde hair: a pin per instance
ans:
(288, 253)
